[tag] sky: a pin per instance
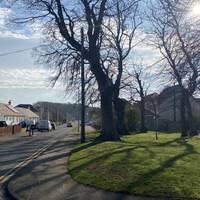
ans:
(22, 80)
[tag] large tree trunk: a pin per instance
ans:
(183, 115)
(190, 118)
(108, 132)
(120, 105)
(106, 89)
(143, 128)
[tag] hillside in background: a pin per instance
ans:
(60, 112)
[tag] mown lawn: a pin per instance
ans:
(141, 165)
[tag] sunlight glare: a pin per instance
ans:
(196, 9)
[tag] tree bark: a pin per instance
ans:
(143, 128)
(190, 118)
(106, 89)
(108, 131)
(183, 115)
(120, 105)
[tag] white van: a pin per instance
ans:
(44, 125)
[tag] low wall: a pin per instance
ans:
(10, 130)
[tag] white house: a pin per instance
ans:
(15, 115)
(10, 114)
(28, 114)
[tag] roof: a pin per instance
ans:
(8, 110)
(28, 106)
(26, 112)
(169, 92)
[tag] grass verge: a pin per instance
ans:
(141, 165)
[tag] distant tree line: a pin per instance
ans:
(62, 113)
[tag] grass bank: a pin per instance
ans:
(141, 165)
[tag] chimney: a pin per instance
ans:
(10, 102)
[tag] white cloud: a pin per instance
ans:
(4, 13)
(4, 31)
(24, 78)
(29, 86)
(28, 31)
(17, 35)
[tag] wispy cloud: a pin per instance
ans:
(24, 78)
(28, 86)
(4, 13)
(29, 31)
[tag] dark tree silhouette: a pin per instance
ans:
(62, 20)
(175, 35)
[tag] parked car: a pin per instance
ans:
(44, 125)
(26, 123)
(53, 124)
(69, 124)
(23, 124)
(3, 124)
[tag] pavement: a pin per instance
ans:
(47, 177)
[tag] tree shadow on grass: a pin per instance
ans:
(130, 147)
(86, 146)
(105, 156)
(140, 181)
(178, 141)
(129, 150)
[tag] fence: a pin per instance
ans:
(10, 130)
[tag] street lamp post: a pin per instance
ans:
(82, 89)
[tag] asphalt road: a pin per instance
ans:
(17, 151)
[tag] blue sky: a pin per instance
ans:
(21, 79)
(24, 81)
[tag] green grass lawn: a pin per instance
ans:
(141, 165)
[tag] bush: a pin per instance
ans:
(132, 118)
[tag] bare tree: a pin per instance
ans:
(66, 18)
(178, 41)
(61, 21)
(120, 33)
(140, 84)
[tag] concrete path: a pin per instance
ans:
(46, 178)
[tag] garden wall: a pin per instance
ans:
(10, 130)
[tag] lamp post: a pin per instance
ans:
(82, 89)
(78, 109)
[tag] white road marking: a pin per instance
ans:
(25, 162)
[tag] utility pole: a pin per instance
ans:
(78, 110)
(174, 103)
(82, 89)
(48, 113)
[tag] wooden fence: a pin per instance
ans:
(10, 130)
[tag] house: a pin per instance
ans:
(29, 107)
(15, 115)
(167, 106)
(28, 114)
(169, 101)
(10, 114)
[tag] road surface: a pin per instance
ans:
(18, 151)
